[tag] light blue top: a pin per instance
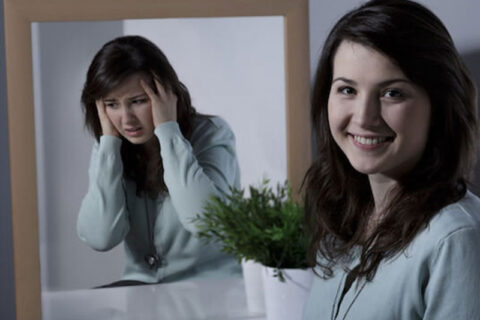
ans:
(436, 278)
(111, 212)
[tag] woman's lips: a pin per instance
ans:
(133, 132)
(370, 142)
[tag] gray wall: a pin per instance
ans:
(61, 55)
(7, 299)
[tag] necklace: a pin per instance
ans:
(152, 259)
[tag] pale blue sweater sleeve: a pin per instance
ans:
(196, 171)
(437, 277)
(453, 289)
(103, 218)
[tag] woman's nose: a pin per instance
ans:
(367, 111)
(128, 116)
(126, 112)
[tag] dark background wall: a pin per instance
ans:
(472, 60)
(7, 301)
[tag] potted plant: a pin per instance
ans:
(267, 227)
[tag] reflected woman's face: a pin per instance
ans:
(128, 108)
(378, 117)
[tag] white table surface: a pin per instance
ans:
(196, 299)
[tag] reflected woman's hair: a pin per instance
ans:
(418, 42)
(116, 61)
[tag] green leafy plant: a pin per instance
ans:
(266, 227)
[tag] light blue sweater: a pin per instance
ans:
(111, 212)
(436, 278)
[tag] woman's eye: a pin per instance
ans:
(139, 101)
(346, 90)
(111, 105)
(393, 94)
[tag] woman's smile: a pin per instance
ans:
(370, 142)
(377, 116)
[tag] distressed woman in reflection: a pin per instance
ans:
(154, 164)
(395, 232)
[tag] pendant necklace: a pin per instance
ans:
(152, 259)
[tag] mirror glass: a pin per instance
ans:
(233, 67)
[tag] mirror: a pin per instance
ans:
(19, 14)
(233, 67)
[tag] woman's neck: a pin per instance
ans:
(151, 147)
(381, 187)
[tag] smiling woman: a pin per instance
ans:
(387, 205)
(378, 117)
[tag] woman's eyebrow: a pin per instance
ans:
(391, 81)
(140, 95)
(380, 84)
(349, 81)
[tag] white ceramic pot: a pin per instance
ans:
(252, 276)
(285, 300)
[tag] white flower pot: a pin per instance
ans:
(285, 300)
(252, 276)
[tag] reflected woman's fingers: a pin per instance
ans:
(107, 126)
(160, 89)
(148, 90)
(99, 104)
(100, 108)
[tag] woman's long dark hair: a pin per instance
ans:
(117, 60)
(338, 198)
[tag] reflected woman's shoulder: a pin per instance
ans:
(210, 123)
(211, 130)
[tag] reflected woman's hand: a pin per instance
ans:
(107, 126)
(164, 103)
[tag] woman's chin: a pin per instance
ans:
(139, 139)
(366, 168)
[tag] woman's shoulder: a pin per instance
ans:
(202, 121)
(208, 127)
(459, 220)
(464, 213)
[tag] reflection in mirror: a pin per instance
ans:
(233, 67)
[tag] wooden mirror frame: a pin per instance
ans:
(19, 14)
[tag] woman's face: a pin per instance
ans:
(377, 116)
(128, 108)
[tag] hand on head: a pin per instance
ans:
(107, 126)
(164, 102)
